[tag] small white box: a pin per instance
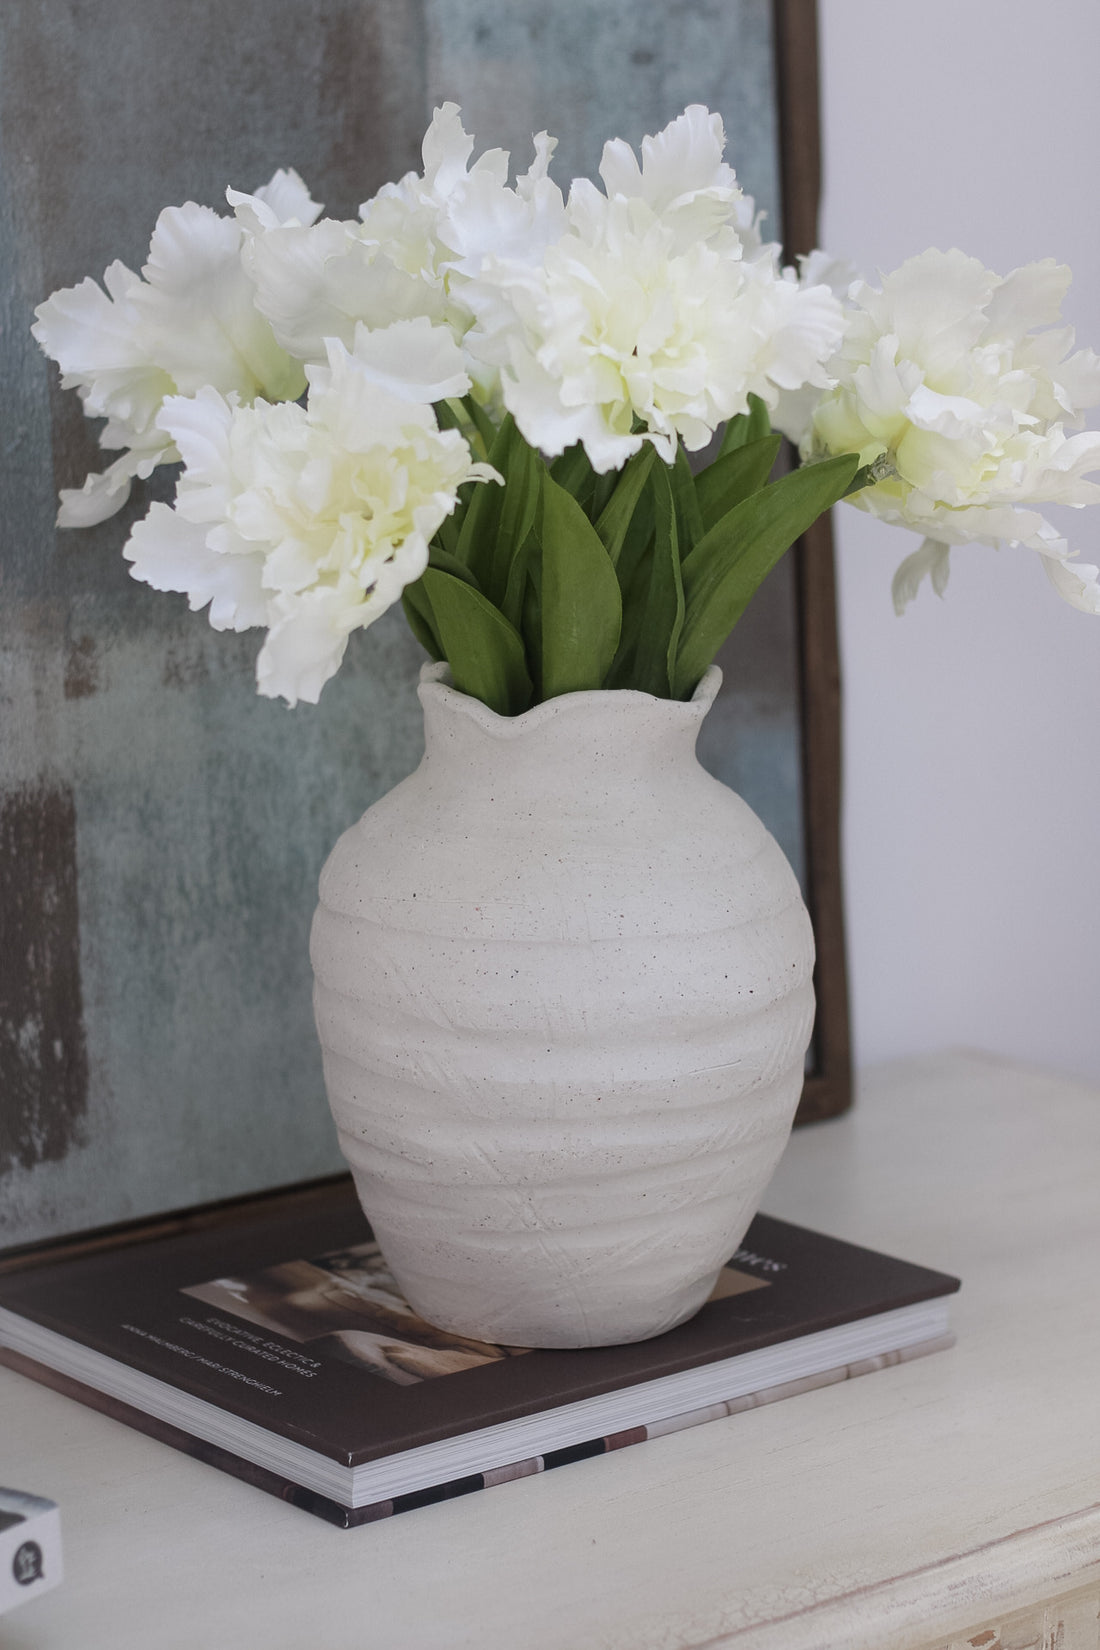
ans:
(30, 1547)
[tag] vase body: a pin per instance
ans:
(564, 992)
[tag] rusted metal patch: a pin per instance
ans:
(81, 668)
(43, 1051)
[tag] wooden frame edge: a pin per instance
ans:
(148, 1229)
(828, 1089)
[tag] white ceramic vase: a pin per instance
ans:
(564, 994)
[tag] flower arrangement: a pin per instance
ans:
(479, 398)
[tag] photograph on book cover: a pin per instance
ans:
(161, 826)
(347, 1305)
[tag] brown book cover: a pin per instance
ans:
(317, 1373)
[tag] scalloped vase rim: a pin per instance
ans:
(436, 684)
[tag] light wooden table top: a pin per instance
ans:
(886, 1513)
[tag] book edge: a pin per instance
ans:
(348, 1517)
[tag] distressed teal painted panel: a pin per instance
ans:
(202, 814)
(589, 70)
(156, 1040)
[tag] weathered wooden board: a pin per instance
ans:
(161, 827)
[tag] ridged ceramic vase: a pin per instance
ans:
(563, 990)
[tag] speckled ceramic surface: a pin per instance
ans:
(564, 994)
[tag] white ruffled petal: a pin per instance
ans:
(1078, 583)
(820, 268)
(412, 360)
(317, 283)
(88, 331)
(284, 200)
(198, 309)
(682, 176)
(287, 195)
(446, 150)
(932, 561)
(102, 494)
(1031, 296)
(359, 411)
(201, 427)
(537, 173)
(169, 553)
(305, 646)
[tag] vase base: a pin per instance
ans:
(556, 1318)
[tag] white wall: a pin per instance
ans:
(972, 725)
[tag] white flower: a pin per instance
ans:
(441, 225)
(656, 313)
(285, 199)
(793, 411)
(97, 338)
(317, 283)
(416, 248)
(188, 321)
(311, 521)
(945, 381)
(682, 178)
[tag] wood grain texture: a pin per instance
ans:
(828, 1089)
(1071, 1623)
(911, 1509)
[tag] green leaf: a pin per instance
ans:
(688, 514)
(446, 534)
(747, 427)
(500, 517)
(867, 476)
(484, 651)
(447, 562)
(572, 471)
(635, 596)
(530, 625)
(481, 521)
(480, 420)
(450, 415)
(523, 470)
(580, 600)
(615, 519)
(418, 611)
(633, 571)
(662, 618)
(513, 601)
(597, 500)
(728, 565)
(735, 476)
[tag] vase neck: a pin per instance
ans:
(607, 739)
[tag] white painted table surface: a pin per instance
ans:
(911, 1508)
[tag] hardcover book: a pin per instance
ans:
(279, 1348)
